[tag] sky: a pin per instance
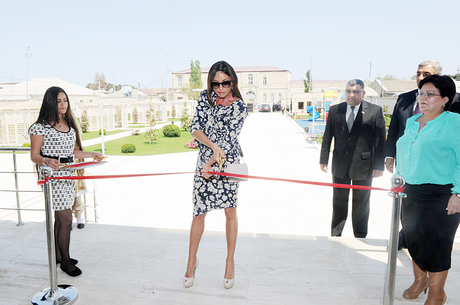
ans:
(128, 40)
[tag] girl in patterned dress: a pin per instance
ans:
(218, 120)
(52, 141)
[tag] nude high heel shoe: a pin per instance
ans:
(228, 283)
(413, 295)
(444, 300)
(188, 281)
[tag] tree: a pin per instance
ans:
(99, 82)
(306, 82)
(84, 122)
(135, 115)
(195, 81)
(388, 77)
(185, 119)
(119, 117)
(173, 112)
(152, 134)
(195, 75)
(455, 76)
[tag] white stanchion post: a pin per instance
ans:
(389, 291)
(56, 294)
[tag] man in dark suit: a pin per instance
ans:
(406, 106)
(358, 130)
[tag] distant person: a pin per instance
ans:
(53, 137)
(358, 130)
(217, 123)
(428, 157)
(79, 206)
(405, 107)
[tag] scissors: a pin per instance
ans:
(221, 160)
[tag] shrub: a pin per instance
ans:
(171, 131)
(84, 122)
(99, 132)
(26, 145)
(135, 115)
(128, 148)
(192, 144)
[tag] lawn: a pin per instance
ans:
(305, 117)
(95, 134)
(163, 145)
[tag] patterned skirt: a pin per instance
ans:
(63, 191)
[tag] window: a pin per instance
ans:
(250, 79)
(179, 81)
(273, 97)
(265, 97)
(300, 104)
(265, 80)
(280, 96)
(250, 95)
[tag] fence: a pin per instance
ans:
(12, 186)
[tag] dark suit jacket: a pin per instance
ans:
(362, 149)
(404, 109)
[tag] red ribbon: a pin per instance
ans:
(395, 190)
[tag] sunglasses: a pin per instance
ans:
(225, 84)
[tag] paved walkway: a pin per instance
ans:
(137, 253)
(119, 135)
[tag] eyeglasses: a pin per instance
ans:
(225, 84)
(354, 92)
(426, 94)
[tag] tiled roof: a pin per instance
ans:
(399, 85)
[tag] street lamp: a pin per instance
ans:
(115, 99)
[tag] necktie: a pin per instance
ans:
(351, 118)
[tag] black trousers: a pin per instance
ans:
(360, 208)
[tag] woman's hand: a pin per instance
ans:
(53, 163)
(454, 205)
(218, 157)
(97, 156)
(207, 168)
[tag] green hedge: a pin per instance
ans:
(128, 148)
(171, 131)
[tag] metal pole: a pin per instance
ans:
(16, 186)
(55, 295)
(389, 291)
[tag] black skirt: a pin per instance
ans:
(429, 231)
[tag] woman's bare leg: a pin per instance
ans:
(196, 231)
(231, 228)
(436, 291)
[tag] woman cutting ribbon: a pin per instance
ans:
(218, 120)
(53, 137)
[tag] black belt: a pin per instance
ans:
(60, 159)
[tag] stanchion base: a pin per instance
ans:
(64, 295)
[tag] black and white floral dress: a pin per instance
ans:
(222, 125)
(58, 144)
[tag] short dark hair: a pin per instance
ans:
(224, 67)
(444, 84)
(354, 82)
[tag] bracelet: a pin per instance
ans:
(43, 163)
